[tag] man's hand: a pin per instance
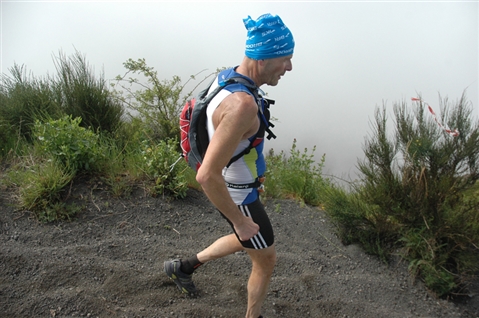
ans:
(247, 229)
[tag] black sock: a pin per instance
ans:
(189, 265)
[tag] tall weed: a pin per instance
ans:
(24, 99)
(81, 94)
(118, 167)
(41, 186)
(296, 176)
(162, 164)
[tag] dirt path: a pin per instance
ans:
(108, 263)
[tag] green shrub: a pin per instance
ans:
(118, 167)
(420, 181)
(73, 146)
(158, 103)
(358, 222)
(80, 94)
(295, 176)
(75, 91)
(24, 99)
(41, 185)
(160, 165)
(8, 139)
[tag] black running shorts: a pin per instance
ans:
(265, 236)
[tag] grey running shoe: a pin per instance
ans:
(183, 281)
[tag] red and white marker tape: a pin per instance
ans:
(453, 133)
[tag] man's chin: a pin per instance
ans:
(273, 83)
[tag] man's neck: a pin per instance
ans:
(249, 68)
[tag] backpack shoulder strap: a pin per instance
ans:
(198, 136)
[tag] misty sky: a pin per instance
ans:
(350, 57)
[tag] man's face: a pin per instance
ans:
(273, 69)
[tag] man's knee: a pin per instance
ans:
(270, 258)
(264, 259)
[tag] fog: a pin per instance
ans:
(350, 57)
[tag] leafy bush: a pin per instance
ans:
(162, 165)
(73, 146)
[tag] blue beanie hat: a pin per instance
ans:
(267, 38)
